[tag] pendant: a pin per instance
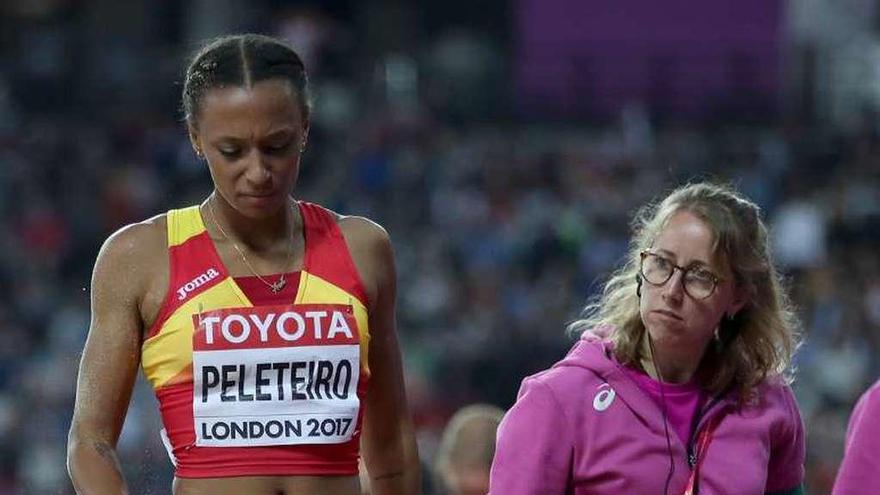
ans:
(277, 286)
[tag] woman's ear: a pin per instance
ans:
(305, 137)
(195, 140)
(742, 294)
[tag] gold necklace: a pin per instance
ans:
(274, 287)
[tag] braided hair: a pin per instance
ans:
(242, 60)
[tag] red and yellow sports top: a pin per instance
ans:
(249, 389)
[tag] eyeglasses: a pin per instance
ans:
(699, 283)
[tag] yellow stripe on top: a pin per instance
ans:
(314, 289)
(169, 352)
(184, 224)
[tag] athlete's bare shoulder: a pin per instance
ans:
(370, 247)
(129, 245)
(136, 237)
(134, 260)
(361, 229)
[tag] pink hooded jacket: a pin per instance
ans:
(584, 427)
(860, 471)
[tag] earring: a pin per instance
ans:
(719, 346)
(638, 286)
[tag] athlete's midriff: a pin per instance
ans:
(269, 485)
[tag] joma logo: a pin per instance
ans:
(197, 282)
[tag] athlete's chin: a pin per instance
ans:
(257, 207)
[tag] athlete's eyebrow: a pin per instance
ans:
(282, 132)
(229, 140)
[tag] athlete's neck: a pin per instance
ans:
(255, 235)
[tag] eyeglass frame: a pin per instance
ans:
(647, 252)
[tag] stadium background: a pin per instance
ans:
(503, 144)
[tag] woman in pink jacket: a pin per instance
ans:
(860, 470)
(679, 383)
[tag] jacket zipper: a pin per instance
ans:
(698, 420)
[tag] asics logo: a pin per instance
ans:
(604, 397)
(204, 278)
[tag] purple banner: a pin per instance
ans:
(590, 57)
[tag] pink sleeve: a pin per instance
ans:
(533, 452)
(861, 461)
(788, 452)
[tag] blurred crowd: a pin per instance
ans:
(502, 228)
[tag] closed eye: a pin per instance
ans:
(230, 153)
(278, 148)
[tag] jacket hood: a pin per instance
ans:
(593, 351)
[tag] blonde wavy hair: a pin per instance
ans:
(758, 342)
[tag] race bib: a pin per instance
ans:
(275, 375)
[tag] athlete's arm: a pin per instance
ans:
(387, 440)
(109, 364)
